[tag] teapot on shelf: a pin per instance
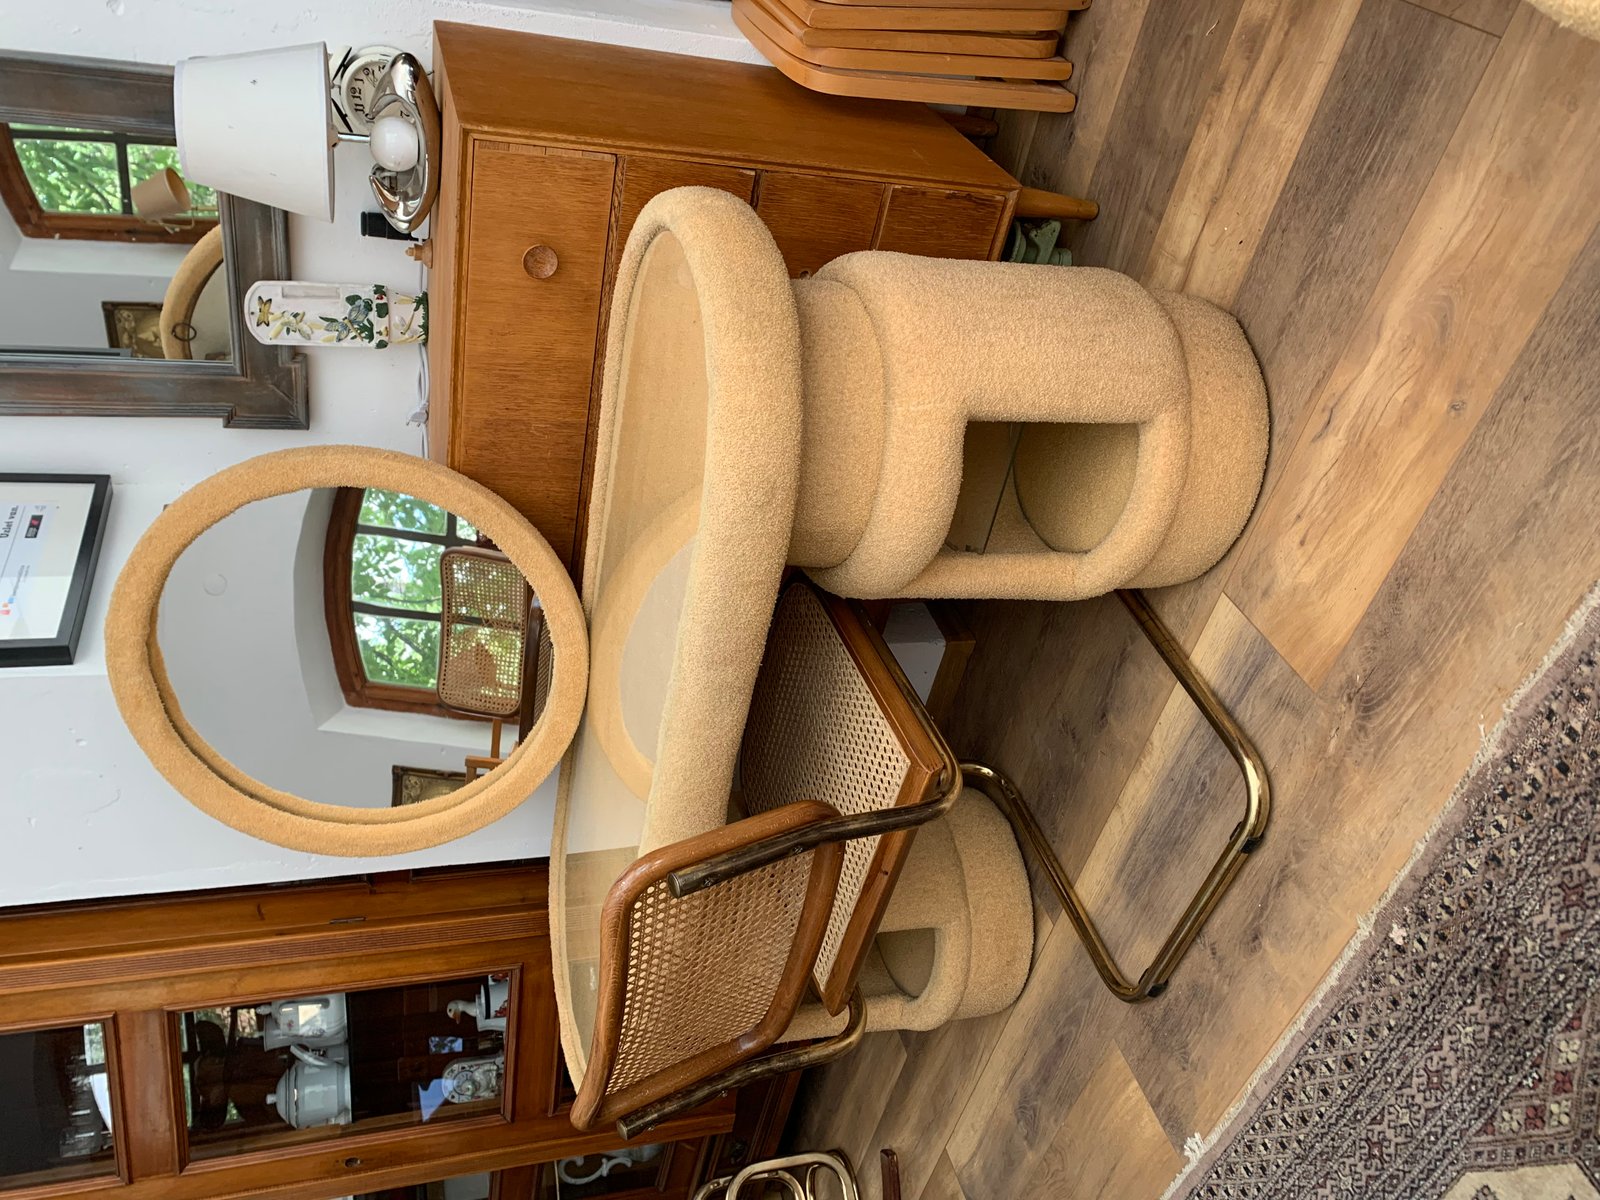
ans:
(317, 1021)
(315, 1090)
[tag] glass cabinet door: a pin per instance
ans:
(610, 1173)
(292, 1068)
(56, 1121)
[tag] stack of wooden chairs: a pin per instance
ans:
(979, 53)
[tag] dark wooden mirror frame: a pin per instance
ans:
(264, 387)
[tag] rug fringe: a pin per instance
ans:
(1197, 1146)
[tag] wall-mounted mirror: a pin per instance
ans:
(121, 283)
(354, 646)
(224, 626)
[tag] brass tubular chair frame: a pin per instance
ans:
(798, 1173)
(1005, 795)
(1246, 836)
(777, 1062)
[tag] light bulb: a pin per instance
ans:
(394, 143)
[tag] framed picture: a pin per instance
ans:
(51, 527)
(134, 326)
(413, 785)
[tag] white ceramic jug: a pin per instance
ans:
(313, 1091)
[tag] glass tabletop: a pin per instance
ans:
(636, 586)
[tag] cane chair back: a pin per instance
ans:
(483, 631)
(690, 987)
(834, 719)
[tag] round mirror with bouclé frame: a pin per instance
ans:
(347, 651)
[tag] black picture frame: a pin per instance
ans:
(61, 649)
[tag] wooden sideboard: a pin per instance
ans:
(135, 1064)
(551, 148)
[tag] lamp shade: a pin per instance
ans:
(259, 125)
(161, 196)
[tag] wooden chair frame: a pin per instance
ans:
(593, 1104)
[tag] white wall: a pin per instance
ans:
(48, 299)
(82, 812)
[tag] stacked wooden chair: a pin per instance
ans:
(988, 53)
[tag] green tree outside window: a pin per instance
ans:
(395, 590)
(92, 174)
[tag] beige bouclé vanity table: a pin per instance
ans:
(552, 147)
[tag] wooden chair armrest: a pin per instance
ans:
(778, 1062)
(712, 983)
(721, 867)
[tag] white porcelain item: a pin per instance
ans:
(469, 1079)
(313, 1091)
(349, 316)
(492, 1008)
(317, 1021)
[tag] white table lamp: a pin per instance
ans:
(259, 125)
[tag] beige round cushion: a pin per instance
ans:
(1581, 16)
(217, 787)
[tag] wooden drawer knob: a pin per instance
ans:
(540, 262)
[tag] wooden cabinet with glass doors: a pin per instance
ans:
(388, 1037)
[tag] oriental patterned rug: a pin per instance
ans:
(1457, 1054)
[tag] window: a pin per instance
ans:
(382, 596)
(78, 183)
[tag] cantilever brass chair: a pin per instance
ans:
(708, 945)
(796, 1175)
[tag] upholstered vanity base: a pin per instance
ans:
(1074, 481)
(1144, 423)
(946, 952)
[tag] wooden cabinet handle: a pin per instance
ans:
(540, 262)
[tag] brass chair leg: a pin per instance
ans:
(1245, 837)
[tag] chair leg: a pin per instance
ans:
(1038, 204)
(1245, 837)
(778, 1062)
(807, 1165)
(477, 765)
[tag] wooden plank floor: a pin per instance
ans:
(1399, 200)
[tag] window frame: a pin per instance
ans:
(340, 608)
(35, 221)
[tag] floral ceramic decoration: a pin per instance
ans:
(348, 315)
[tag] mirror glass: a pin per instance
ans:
(59, 1119)
(103, 245)
(354, 647)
